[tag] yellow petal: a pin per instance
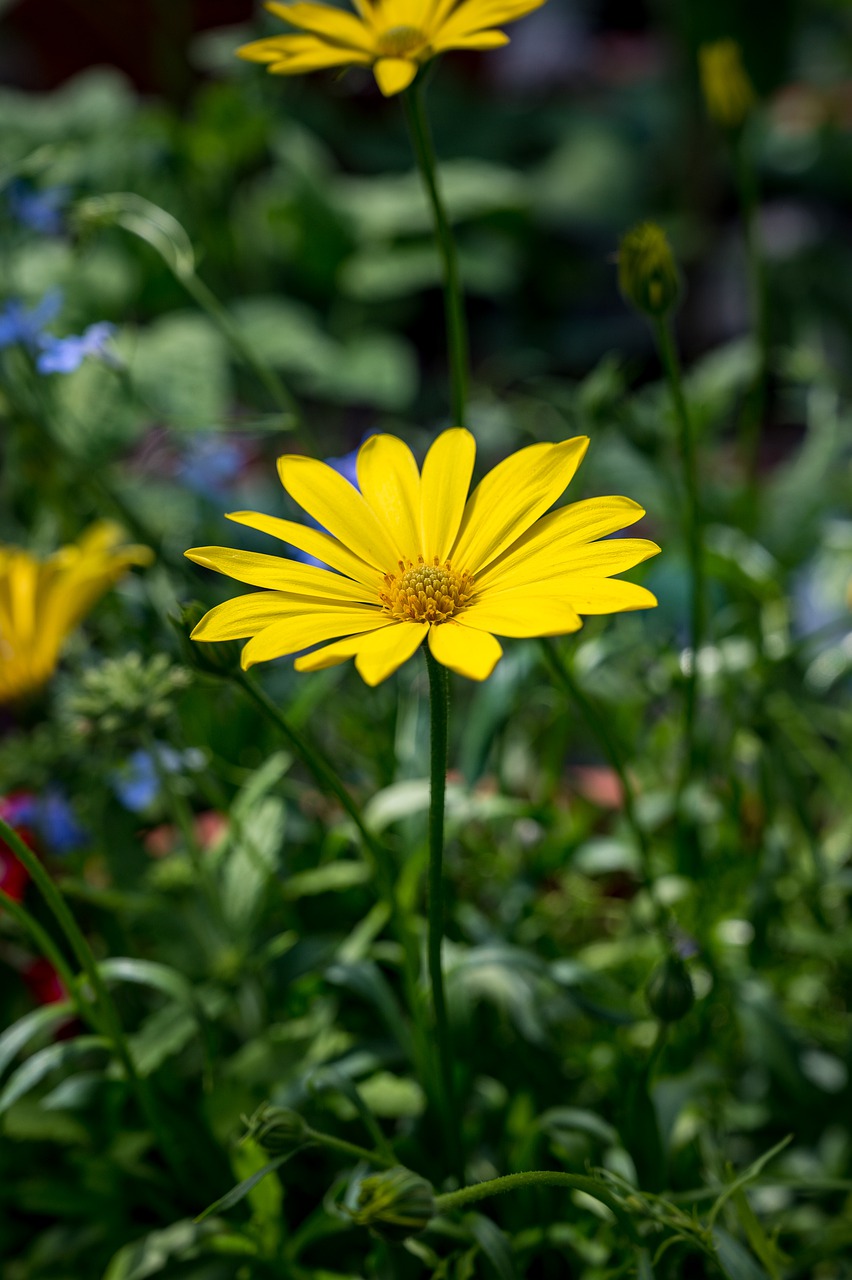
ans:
(323, 20)
(444, 486)
(390, 483)
(394, 74)
(511, 497)
(312, 541)
(476, 15)
(305, 629)
(262, 50)
(470, 653)
(317, 57)
(602, 595)
(244, 616)
(339, 507)
(377, 655)
(520, 614)
(279, 574)
(477, 40)
(597, 559)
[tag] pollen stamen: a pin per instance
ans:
(396, 42)
(426, 592)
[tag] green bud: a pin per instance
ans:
(669, 992)
(647, 272)
(277, 1129)
(121, 694)
(728, 92)
(395, 1204)
(213, 657)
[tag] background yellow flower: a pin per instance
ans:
(394, 37)
(412, 556)
(42, 601)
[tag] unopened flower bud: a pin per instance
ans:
(669, 991)
(277, 1129)
(395, 1204)
(213, 657)
(728, 92)
(647, 271)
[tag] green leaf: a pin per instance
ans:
(239, 1192)
(334, 877)
(33, 1071)
(144, 219)
(148, 973)
(748, 1175)
(494, 1244)
(180, 1242)
(734, 1259)
(19, 1034)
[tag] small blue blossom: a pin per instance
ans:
(137, 782)
(211, 462)
(23, 327)
(64, 355)
(57, 825)
(41, 211)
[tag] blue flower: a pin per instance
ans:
(57, 825)
(211, 463)
(64, 355)
(41, 211)
(137, 782)
(26, 328)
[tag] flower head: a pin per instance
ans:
(42, 601)
(414, 558)
(40, 210)
(25, 327)
(728, 92)
(394, 37)
(647, 272)
(18, 811)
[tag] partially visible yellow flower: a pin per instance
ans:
(42, 601)
(394, 37)
(728, 92)
(413, 558)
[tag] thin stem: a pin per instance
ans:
(457, 339)
(689, 457)
(88, 964)
(751, 420)
(283, 398)
(545, 1178)
(352, 1149)
(599, 726)
(439, 709)
(47, 947)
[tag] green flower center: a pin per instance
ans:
(426, 592)
(396, 42)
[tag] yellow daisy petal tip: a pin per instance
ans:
(394, 74)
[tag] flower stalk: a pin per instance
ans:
(457, 339)
(439, 707)
(689, 456)
(537, 1178)
(751, 420)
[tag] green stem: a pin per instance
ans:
(751, 420)
(599, 726)
(518, 1181)
(352, 1149)
(439, 709)
(48, 949)
(89, 966)
(457, 339)
(282, 397)
(689, 457)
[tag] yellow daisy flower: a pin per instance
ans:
(42, 601)
(412, 557)
(394, 37)
(728, 92)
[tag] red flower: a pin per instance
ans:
(14, 810)
(43, 982)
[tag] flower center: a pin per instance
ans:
(426, 592)
(398, 41)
